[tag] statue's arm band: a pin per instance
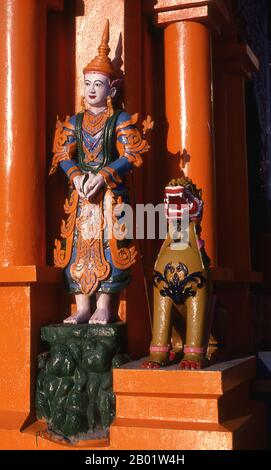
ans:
(71, 169)
(111, 177)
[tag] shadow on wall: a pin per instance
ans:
(60, 101)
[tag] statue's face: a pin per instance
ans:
(97, 88)
(179, 197)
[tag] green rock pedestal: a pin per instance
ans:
(74, 386)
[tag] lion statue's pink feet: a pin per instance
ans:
(150, 365)
(188, 364)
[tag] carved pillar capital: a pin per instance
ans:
(213, 13)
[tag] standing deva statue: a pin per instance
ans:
(96, 148)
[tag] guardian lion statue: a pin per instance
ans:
(182, 280)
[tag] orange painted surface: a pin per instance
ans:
(213, 13)
(36, 300)
(22, 31)
(188, 83)
(247, 432)
(233, 64)
(169, 420)
(182, 415)
(57, 5)
(60, 101)
(238, 330)
(28, 307)
(45, 440)
(239, 229)
(15, 345)
(244, 433)
(235, 58)
(204, 382)
(30, 274)
(172, 409)
(171, 5)
(184, 408)
(35, 437)
(199, 13)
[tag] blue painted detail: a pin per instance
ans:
(177, 283)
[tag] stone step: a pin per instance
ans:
(174, 409)
(214, 380)
(206, 408)
(243, 433)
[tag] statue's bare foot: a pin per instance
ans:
(191, 364)
(101, 316)
(150, 365)
(80, 317)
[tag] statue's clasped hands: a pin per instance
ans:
(88, 187)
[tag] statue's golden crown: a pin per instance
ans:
(102, 63)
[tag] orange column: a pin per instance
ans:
(188, 94)
(189, 111)
(22, 230)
